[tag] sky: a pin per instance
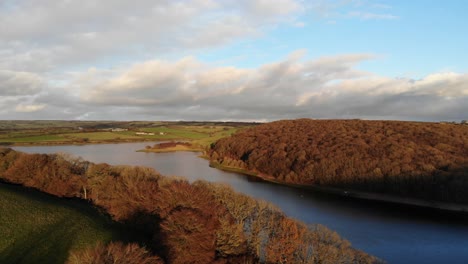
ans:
(233, 60)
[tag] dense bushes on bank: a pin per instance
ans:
(114, 253)
(184, 223)
(421, 160)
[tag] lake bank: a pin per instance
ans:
(351, 193)
(171, 146)
(73, 143)
(329, 190)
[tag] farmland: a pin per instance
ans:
(201, 134)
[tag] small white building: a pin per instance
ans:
(118, 129)
(144, 133)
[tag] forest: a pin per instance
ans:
(177, 221)
(419, 160)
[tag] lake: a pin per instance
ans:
(397, 234)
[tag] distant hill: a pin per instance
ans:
(412, 159)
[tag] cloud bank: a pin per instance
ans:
(188, 89)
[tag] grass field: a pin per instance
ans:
(38, 228)
(215, 136)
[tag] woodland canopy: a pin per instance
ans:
(412, 159)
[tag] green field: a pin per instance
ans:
(215, 136)
(39, 228)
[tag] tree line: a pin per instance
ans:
(180, 222)
(410, 159)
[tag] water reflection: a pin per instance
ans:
(398, 234)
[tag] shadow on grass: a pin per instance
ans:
(45, 246)
(44, 229)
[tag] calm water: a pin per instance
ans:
(394, 233)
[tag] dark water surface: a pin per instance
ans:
(397, 234)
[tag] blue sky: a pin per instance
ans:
(420, 38)
(233, 59)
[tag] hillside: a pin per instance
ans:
(182, 222)
(410, 159)
(39, 228)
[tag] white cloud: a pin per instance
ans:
(29, 108)
(299, 24)
(188, 89)
(45, 34)
(349, 9)
(13, 83)
(371, 16)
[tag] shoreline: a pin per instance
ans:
(171, 146)
(453, 207)
(103, 142)
(166, 150)
(387, 198)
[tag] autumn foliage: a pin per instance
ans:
(114, 253)
(171, 144)
(415, 159)
(180, 222)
